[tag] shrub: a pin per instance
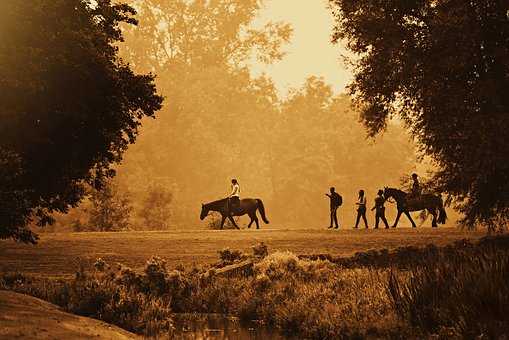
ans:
(260, 250)
(466, 294)
(215, 222)
(155, 211)
(111, 208)
(228, 256)
(462, 292)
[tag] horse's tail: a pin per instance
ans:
(442, 215)
(262, 210)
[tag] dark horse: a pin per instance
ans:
(432, 203)
(247, 206)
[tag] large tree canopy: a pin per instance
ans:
(69, 106)
(443, 67)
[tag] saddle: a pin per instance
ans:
(412, 200)
(233, 205)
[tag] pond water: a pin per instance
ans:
(220, 327)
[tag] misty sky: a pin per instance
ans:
(310, 52)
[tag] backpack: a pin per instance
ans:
(338, 199)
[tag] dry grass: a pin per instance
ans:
(56, 254)
(458, 291)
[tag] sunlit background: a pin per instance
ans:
(310, 52)
(270, 109)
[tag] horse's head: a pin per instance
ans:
(204, 211)
(388, 192)
(393, 193)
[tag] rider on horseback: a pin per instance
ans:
(234, 198)
(416, 187)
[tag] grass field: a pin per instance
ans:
(58, 254)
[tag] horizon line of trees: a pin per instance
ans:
(441, 68)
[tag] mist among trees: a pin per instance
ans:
(221, 122)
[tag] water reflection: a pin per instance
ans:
(220, 327)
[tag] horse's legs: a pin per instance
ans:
(433, 213)
(223, 218)
(410, 218)
(256, 221)
(233, 221)
(252, 220)
(397, 219)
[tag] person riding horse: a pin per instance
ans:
(416, 187)
(433, 203)
(234, 197)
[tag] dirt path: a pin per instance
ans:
(57, 254)
(26, 317)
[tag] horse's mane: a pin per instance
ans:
(222, 200)
(397, 191)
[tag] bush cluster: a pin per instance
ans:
(463, 296)
(461, 293)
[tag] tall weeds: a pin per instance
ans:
(465, 294)
(457, 291)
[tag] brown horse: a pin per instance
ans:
(404, 204)
(247, 206)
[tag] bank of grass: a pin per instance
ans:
(457, 291)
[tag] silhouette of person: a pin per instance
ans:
(361, 209)
(380, 210)
(335, 201)
(234, 198)
(416, 186)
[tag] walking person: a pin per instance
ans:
(380, 210)
(234, 197)
(361, 209)
(335, 202)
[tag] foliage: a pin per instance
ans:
(214, 221)
(70, 107)
(155, 211)
(228, 256)
(442, 67)
(15, 210)
(110, 294)
(110, 210)
(199, 50)
(224, 122)
(466, 296)
(260, 250)
(317, 139)
(457, 291)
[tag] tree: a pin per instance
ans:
(222, 122)
(69, 107)
(318, 142)
(155, 211)
(443, 68)
(111, 209)
(215, 123)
